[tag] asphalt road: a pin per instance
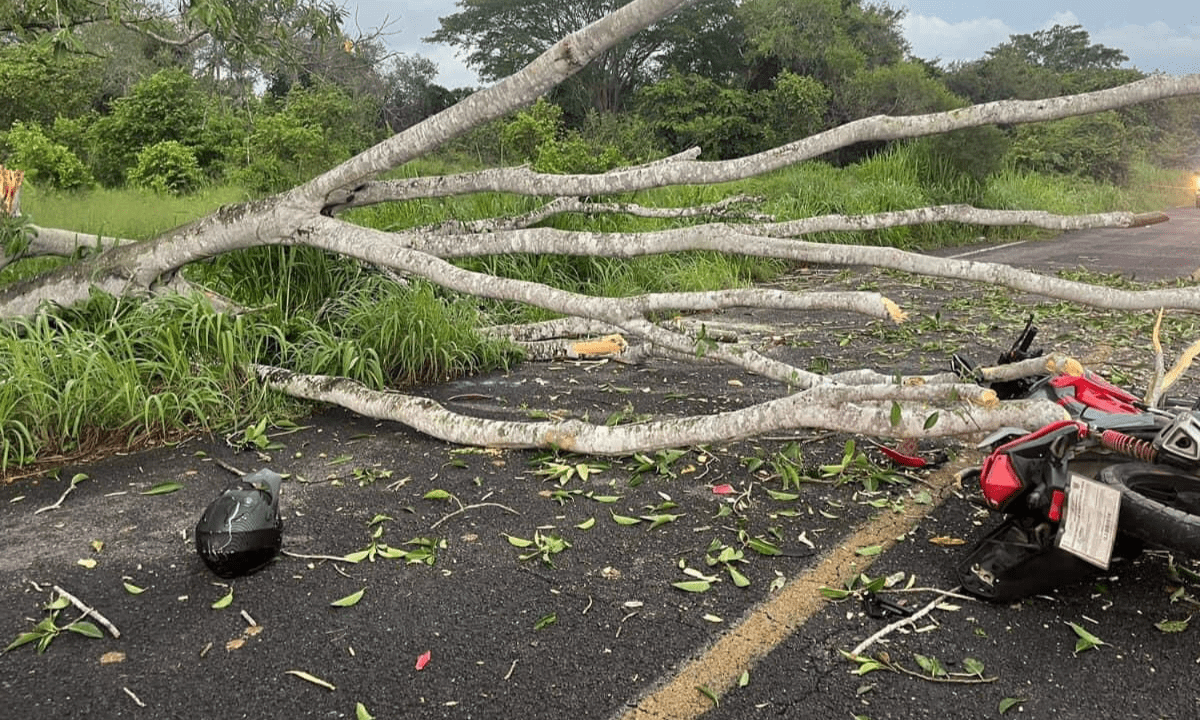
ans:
(592, 627)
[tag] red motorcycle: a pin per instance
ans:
(1078, 493)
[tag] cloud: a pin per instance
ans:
(935, 38)
(1065, 18)
(1156, 46)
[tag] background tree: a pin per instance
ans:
(502, 36)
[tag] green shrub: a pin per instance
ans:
(167, 167)
(45, 161)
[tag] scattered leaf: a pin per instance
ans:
(947, 541)
(785, 496)
(713, 618)
(88, 563)
(133, 589)
(834, 593)
(545, 621)
(693, 586)
(350, 600)
(930, 421)
(1173, 626)
(311, 678)
(1086, 640)
(360, 712)
(738, 579)
(625, 520)
(517, 542)
(111, 657)
(744, 678)
(716, 701)
(1009, 703)
(436, 494)
(869, 551)
(930, 665)
(586, 524)
(163, 488)
(224, 602)
(423, 659)
(725, 489)
(896, 414)
(86, 629)
(763, 547)
(97, 545)
(972, 666)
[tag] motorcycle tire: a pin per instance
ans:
(1159, 504)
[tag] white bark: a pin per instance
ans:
(846, 409)
(858, 401)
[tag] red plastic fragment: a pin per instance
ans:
(912, 461)
(725, 489)
(423, 659)
(1057, 498)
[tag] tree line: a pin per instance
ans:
(266, 95)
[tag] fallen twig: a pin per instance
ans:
(465, 508)
(910, 620)
(74, 481)
(88, 611)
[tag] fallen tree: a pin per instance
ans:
(861, 401)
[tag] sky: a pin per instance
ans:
(1162, 35)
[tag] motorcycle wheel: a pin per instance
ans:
(1160, 505)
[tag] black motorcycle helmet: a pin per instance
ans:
(241, 531)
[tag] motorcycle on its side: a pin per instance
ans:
(1079, 493)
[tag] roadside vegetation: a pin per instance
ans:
(136, 149)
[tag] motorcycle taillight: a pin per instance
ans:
(998, 481)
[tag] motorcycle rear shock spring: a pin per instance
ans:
(1128, 445)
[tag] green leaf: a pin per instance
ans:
(834, 593)
(716, 701)
(545, 621)
(738, 579)
(971, 666)
(1172, 626)
(930, 665)
(86, 629)
(931, 421)
(1009, 703)
(311, 678)
(379, 518)
(224, 602)
(744, 679)
(897, 414)
(517, 542)
(1086, 641)
(763, 547)
(869, 551)
(360, 712)
(693, 586)
(163, 488)
(359, 556)
(587, 524)
(603, 498)
(133, 589)
(23, 639)
(778, 495)
(625, 520)
(350, 600)
(436, 495)
(58, 603)
(661, 519)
